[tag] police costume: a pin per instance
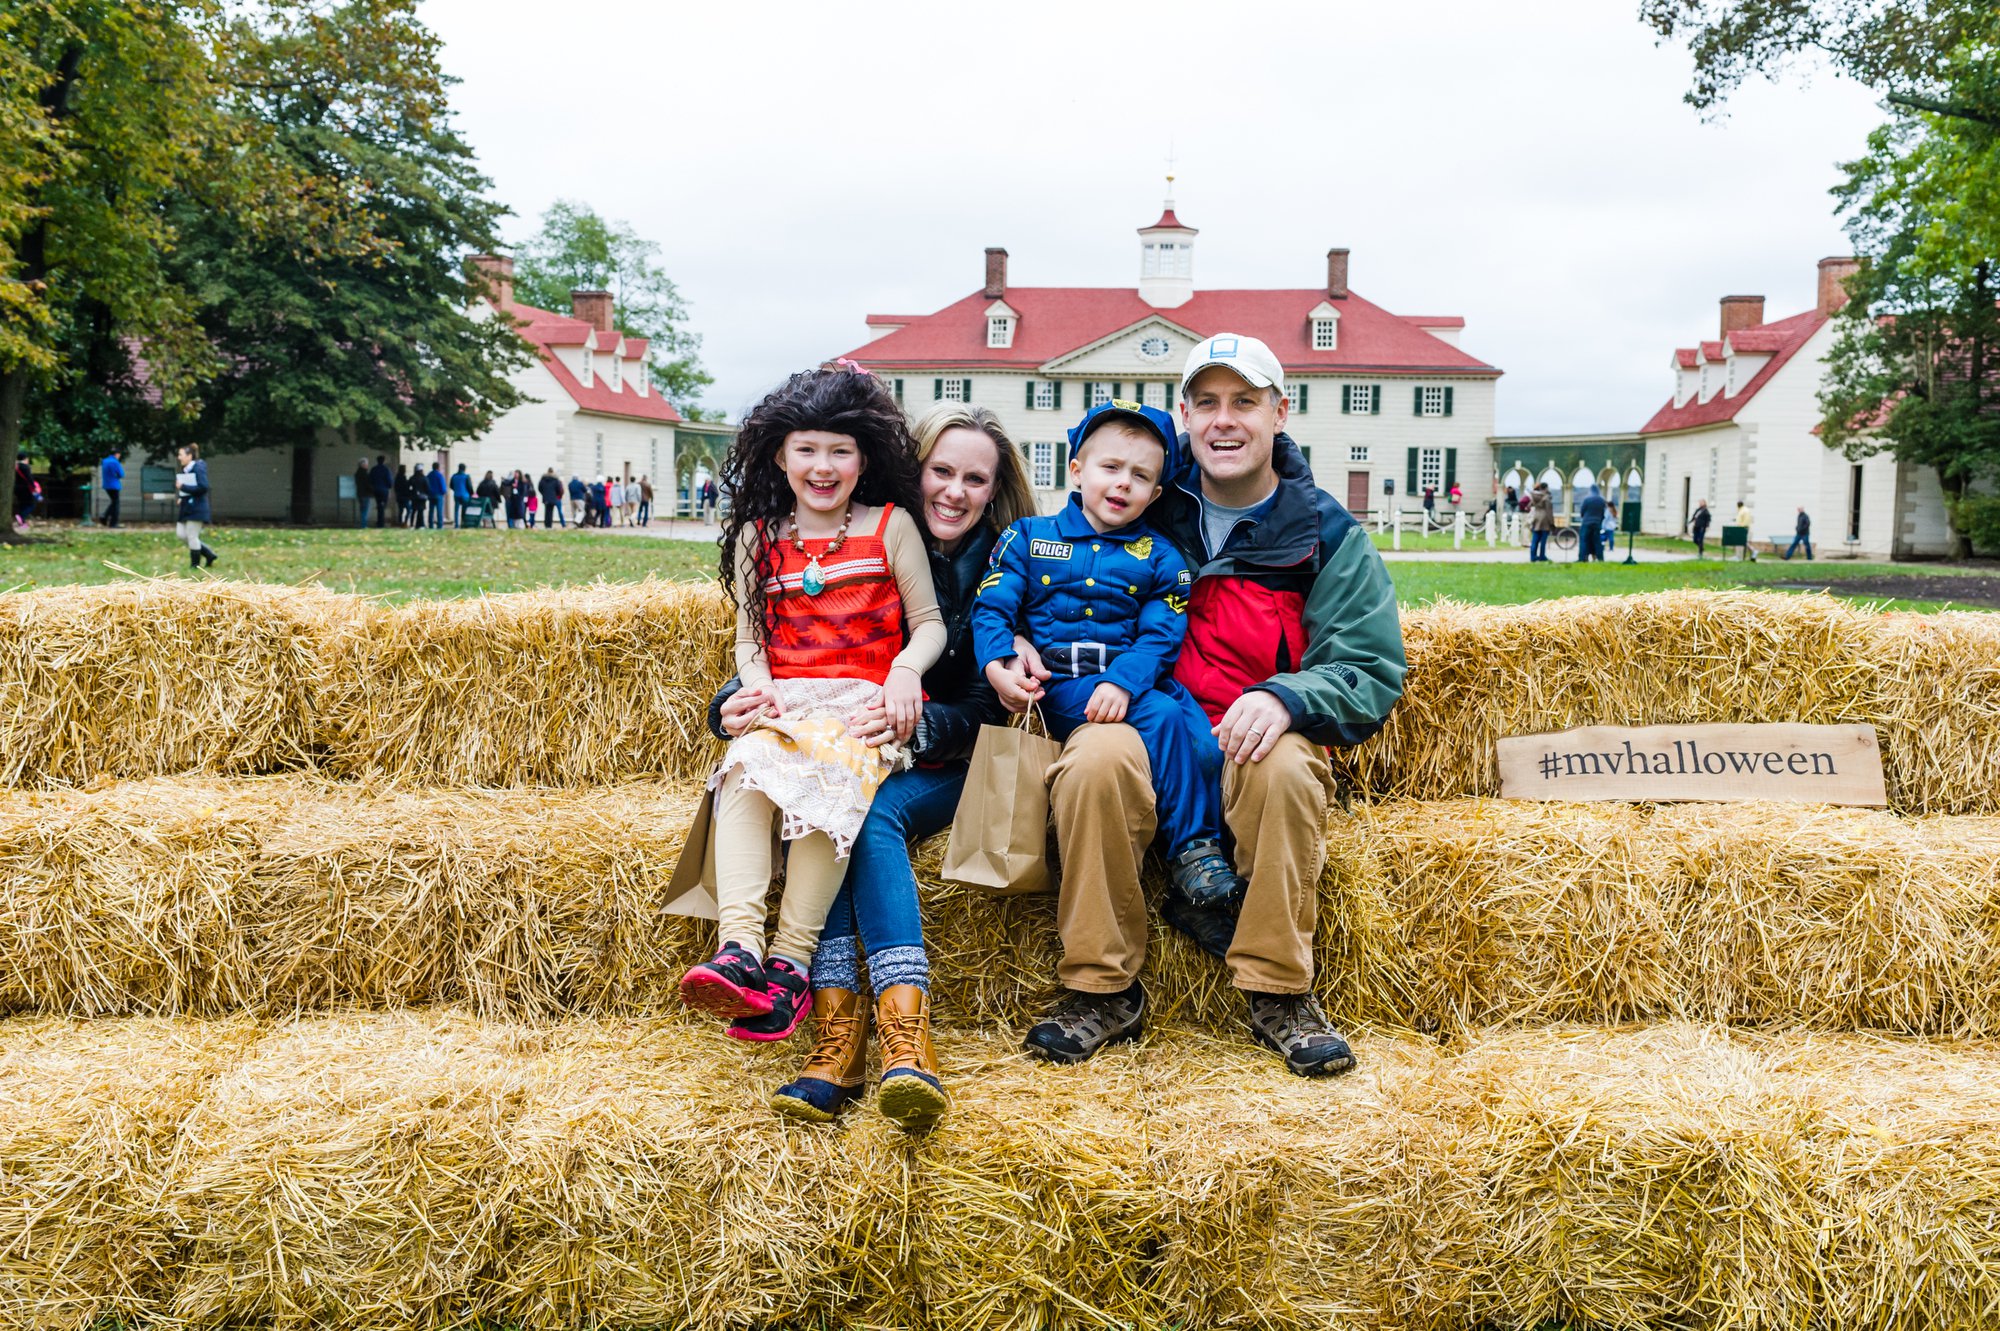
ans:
(1109, 607)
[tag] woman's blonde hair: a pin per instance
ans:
(1013, 498)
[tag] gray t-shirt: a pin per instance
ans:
(1217, 521)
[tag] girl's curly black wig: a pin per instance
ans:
(831, 398)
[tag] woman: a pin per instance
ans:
(972, 487)
(1541, 523)
(1698, 528)
(191, 510)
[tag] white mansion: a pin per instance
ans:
(1378, 399)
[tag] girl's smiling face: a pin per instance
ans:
(822, 468)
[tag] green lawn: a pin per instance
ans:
(399, 565)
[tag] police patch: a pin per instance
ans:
(1050, 549)
(1186, 577)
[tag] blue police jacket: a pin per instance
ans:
(1112, 603)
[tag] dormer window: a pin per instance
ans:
(999, 331)
(1326, 334)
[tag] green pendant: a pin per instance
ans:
(814, 579)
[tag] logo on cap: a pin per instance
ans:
(1222, 348)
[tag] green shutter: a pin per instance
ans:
(1346, 398)
(1058, 395)
(937, 390)
(1300, 405)
(1031, 395)
(1411, 487)
(1447, 400)
(1450, 467)
(899, 392)
(1170, 396)
(1418, 408)
(1375, 399)
(1117, 389)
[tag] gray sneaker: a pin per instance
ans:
(1084, 1023)
(1201, 873)
(1294, 1026)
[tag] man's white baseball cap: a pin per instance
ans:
(1247, 356)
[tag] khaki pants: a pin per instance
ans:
(744, 822)
(1101, 791)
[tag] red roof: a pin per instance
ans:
(1711, 351)
(1056, 321)
(1755, 339)
(1168, 220)
(1686, 357)
(1434, 320)
(544, 330)
(1788, 335)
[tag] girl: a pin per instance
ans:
(827, 570)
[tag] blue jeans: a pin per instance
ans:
(1538, 547)
(1593, 547)
(878, 898)
(361, 503)
(437, 510)
(1798, 541)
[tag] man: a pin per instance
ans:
(112, 474)
(551, 491)
(578, 493)
(383, 482)
(1590, 513)
(434, 486)
(1744, 519)
(1293, 643)
(364, 489)
(461, 494)
(1801, 535)
(710, 497)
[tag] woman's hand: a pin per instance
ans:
(871, 724)
(746, 705)
(903, 700)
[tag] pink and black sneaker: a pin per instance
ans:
(731, 984)
(791, 999)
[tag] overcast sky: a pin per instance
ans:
(1531, 168)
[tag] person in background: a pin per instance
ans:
(25, 486)
(530, 499)
(489, 492)
(1541, 521)
(434, 486)
(1590, 513)
(383, 482)
(599, 496)
(400, 487)
(511, 498)
(614, 503)
(111, 473)
(709, 497)
(1744, 518)
(551, 491)
(1801, 535)
(631, 504)
(364, 490)
(191, 509)
(1698, 527)
(645, 501)
(1457, 495)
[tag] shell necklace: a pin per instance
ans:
(813, 581)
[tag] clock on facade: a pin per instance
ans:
(1155, 348)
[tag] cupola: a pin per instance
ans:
(1166, 259)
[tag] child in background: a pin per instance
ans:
(1103, 600)
(828, 570)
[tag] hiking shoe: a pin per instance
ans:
(1211, 928)
(790, 994)
(1294, 1026)
(1202, 874)
(1084, 1023)
(730, 984)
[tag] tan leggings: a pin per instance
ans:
(744, 819)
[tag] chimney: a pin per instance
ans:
(1336, 274)
(996, 273)
(497, 272)
(1741, 312)
(1833, 275)
(593, 307)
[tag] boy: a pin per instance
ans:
(1103, 599)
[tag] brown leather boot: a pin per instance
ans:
(836, 1070)
(911, 1097)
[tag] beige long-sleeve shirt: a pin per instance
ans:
(909, 565)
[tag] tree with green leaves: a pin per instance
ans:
(107, 107)
(576, 249)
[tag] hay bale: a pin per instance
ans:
(89, 1113)
(581, 686)
(137, 679)
(351, 1171)
(1930, 685)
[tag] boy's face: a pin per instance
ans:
(1118, 472)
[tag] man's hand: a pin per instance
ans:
(746, 705)
(1016, 689)
(1251, 727)
(1108, 704)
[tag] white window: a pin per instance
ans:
(586, 367)
(1326, 334)
(1361, 399)
(1155, 348)
(1154, 395)
(1045, 395)
(1433, 405)
(1430, 469)
(1357, 452)
(1095, 395)
(953, 390)
(999, 331)
(1042, 465)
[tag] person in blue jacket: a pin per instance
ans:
(1103, 599)
(461, 494)
(112, 472)
(434, 486)
(191, 507)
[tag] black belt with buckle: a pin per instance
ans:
(1077, 659)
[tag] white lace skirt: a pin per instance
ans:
(821, 778)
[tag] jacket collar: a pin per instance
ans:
(1072, 525)
(1286, 534)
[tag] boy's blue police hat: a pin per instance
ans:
(1147, 418)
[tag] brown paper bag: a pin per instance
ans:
(1000, 834)
(691, 891)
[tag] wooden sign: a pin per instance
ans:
(1809, 764)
